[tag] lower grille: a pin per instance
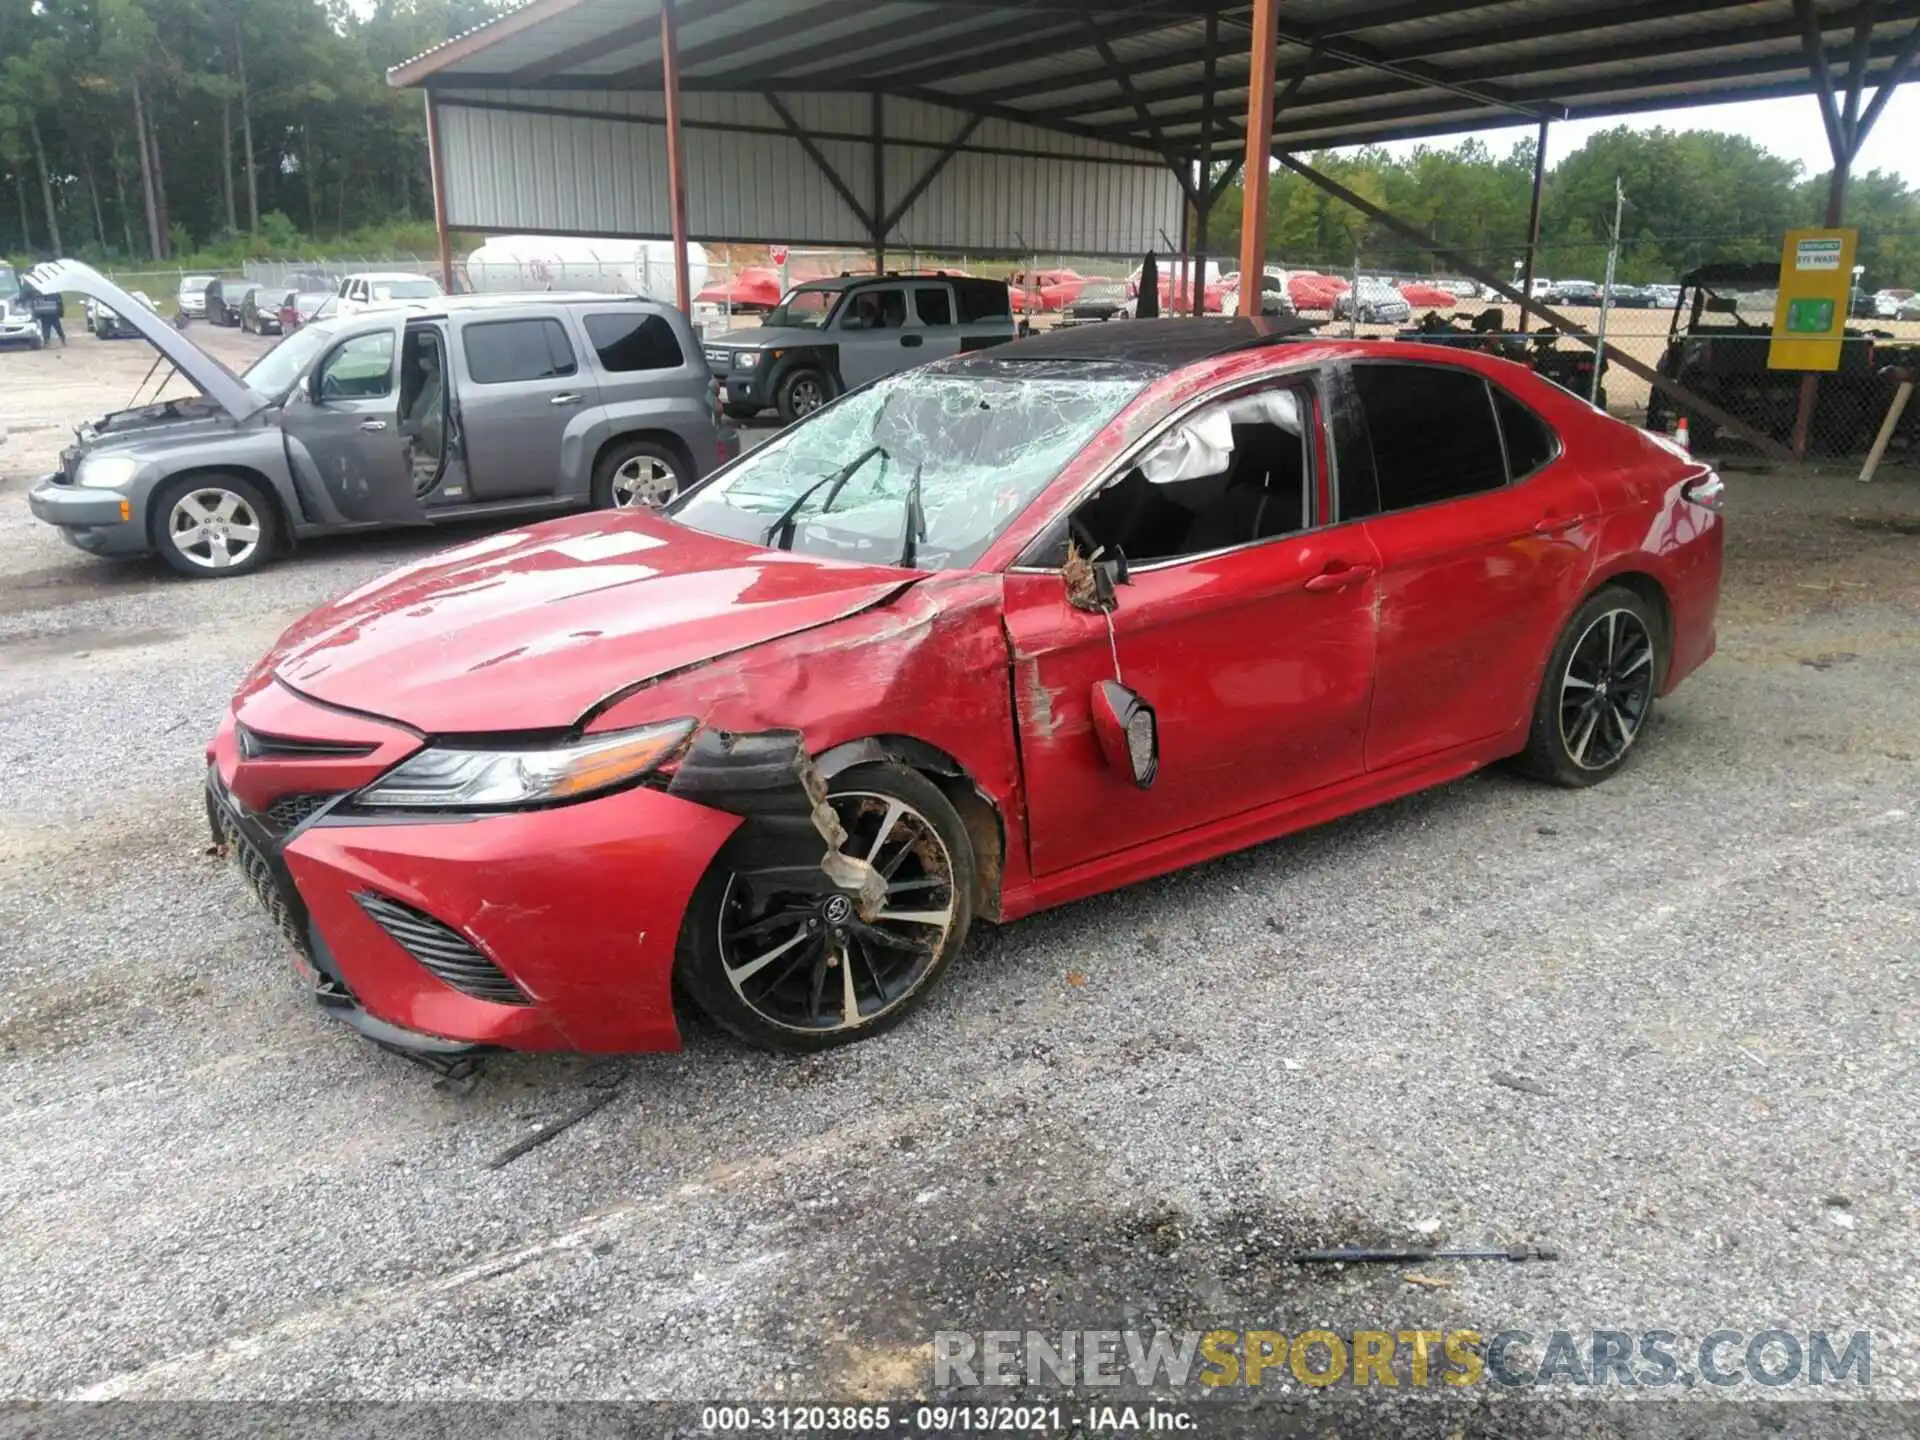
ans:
(443, 951)
(276, 896)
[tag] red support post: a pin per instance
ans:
(1253, 214)
(676, 157)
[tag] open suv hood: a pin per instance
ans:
(208, 375)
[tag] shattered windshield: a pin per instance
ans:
(984, 442)
(804, 309)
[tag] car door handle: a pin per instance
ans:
(564, 400)
(1556, 523)
(374, 425)
(1338, 577)
(911, 340)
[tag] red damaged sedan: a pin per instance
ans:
(985, 636)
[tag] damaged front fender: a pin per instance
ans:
(772, 783)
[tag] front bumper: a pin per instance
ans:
(579, 907)
(101, 522)
(746, 390)
(14, 331)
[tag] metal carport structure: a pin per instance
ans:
(1022, 125)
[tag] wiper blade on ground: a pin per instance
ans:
(784, 526)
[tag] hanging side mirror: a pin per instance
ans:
(1128, 732)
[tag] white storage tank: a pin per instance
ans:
(580, 262)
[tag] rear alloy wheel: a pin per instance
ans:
(785, 960)
(216, 526)
(1598, 692)
(638, 475)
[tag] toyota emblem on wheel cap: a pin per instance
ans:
(839, 909)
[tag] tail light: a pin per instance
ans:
(1708, 492)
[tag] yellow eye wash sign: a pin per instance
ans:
(1810, 317)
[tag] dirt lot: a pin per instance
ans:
(1667, 1027)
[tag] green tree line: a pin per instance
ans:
(1691, 197)
(146, 129)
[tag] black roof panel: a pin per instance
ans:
(1165, 344)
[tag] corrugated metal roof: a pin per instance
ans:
(1357, 69)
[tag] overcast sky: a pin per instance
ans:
(1790, 128)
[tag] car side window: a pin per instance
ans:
(1431, 434)
(1234, 472)
(876, 310)
(358, 369)
(1531, 445)
(932, 305)
(502, 351)
(631, 341)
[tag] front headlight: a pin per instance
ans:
(107, 472)
(460, 778)
(745, 359)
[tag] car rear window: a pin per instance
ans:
(501, 351)
(634, 341)
(1530, 444)
(1433, 437)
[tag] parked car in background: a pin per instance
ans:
(260, 310)
(1573, 292)
(373, 289)
(885, 618)
(471, 406)
(827, 337)
(1375, 301)
(1665, 296)
(1275, 293)
(1045, 289)
(1173, 280)
(109, 324)
(305, 280)
(303, 307)
(190, 299)
(17, 323)
(225, 300)
(1887, 303)
(1634, 297)
(1097, 301)
(1909, 309)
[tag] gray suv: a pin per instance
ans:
(830, 336)
(447, 409)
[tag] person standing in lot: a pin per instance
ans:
(48, 310)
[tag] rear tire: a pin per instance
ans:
(639, 474)
(1598, 691)
(774, 967)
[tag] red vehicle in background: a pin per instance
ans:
(987, 635)
(302, 307)
(1037, 290)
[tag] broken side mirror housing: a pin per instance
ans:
(1090, 581)
(1128, 732)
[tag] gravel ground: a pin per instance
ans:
(1666, 1027)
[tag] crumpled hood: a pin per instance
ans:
(530, 629)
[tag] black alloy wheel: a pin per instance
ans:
(1598, 691)
(787, 961)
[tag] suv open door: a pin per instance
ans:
(342, 425)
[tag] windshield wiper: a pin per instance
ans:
(785, 524)
(915, 530)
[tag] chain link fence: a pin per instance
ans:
(1719, 350)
